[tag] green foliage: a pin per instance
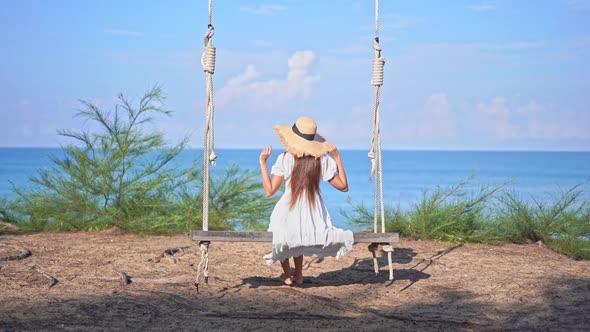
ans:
(121, 173)
(491, 215)
(563, 223)
(395, 220)
(576, 248)
(5, 211)
(236, 200)
(449, 214)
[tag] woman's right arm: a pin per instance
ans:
(271, 186)
(340, 181)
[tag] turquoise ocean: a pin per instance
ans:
(407, 174)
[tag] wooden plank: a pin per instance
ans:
(232, 236)
(369, 237)
(262, 236)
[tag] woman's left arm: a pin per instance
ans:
(271, 186)
(340, 181)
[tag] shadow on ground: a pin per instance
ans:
(142, 309)
(360, 272)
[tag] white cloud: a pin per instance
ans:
(529, 121)
(436, 120)
(249, 87)
(121, 32)
(266, 10)
(482, 7)
(494, 118)
(578, 4)
(543, 124)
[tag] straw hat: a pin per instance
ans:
(302, 139)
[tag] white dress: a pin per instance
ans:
(303, 230)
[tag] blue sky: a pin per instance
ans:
(460, 75)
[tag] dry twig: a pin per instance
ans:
(52, 280)
(169, 253)
(24, 253)
(125, 278)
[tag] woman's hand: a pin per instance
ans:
(271, 186)
(332, 150)
(265, 154)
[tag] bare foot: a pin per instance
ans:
(287, 280)
(298, 269)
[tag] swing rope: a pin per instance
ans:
(375, 150)
(209, 155)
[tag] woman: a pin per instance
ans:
(300, 223)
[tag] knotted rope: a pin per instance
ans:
(203, 267)
(209, 155)
(375, 150)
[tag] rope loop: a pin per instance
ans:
(378, 68)
(208, 59)
(209, 35)
(376, 45)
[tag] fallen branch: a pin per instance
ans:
(433, 259)
(272, 315)
(125, 278)
(186, 280)
(169, 253)
(446, 251)
(24, 253)
(433, 317)
(308, 264)
(52, 280)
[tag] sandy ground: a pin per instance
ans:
(437, 286)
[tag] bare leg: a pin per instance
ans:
(298, 269)
(286, 272)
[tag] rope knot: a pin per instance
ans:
(213, 158)
(378, 69)
(208, 59)
(208, 35)
(203, 267)
(371, 156)
(376, 45)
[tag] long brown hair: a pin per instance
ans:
(305, 178)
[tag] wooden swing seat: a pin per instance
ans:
(263, 236)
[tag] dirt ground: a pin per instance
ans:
(437, 286)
